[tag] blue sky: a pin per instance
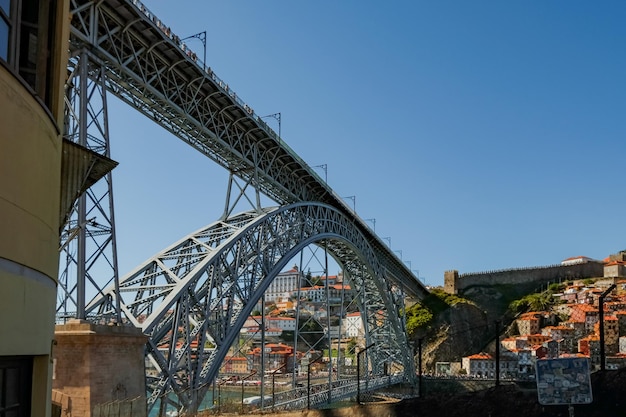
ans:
(480, 135)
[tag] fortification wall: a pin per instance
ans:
(455, 283)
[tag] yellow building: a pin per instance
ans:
(33, 60)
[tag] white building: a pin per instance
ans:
(282, 323)
(283, 285)
(353, 325)
(576, 260)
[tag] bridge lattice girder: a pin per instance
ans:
(199, 292)
(147, 67)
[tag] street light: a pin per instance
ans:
(373, 223)
(242, 385)
(388, 239)
(358, 373)
(325, 168)
(219, 396)
(202, 37)
(276, 116)
(419, 366)
(273, 382)
(601, 324)
(308, 383)
(400, 252)
(353, 198)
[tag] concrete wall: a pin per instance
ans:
(30, 175)
(456, 284)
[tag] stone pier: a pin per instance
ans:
(97, 364)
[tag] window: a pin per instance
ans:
(26, 41)
(5, 28)
(15, 386)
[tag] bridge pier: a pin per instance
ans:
(96, 364)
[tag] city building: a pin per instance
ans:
(528, 323)
(283, 285)
(576, 260)
(478, 365)
(282, 323)
(235, 365)
(353, 325)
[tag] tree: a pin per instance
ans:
(351, 346)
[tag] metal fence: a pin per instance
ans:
(125, 408)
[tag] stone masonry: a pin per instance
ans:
(97, 364)
(457, 284)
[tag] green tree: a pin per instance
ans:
(420, 315)
(534, 302)
(351, 346)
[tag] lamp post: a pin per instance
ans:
(373, 223)
(388, 239)
(202, 37)
(419, 366)
(325, 168)
(219, 396)
(274, 381)
(308, 382)
(601, 314)
(358, 373)
(242, 385)
(353, 198)
(277, 117)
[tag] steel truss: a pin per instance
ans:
(150, 68)
(193, 298)
(88, 244)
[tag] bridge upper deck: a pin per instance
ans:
(151, 68)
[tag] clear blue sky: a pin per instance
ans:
(479, 134)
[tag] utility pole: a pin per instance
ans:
(601, 313)
(358, 373)
(419, 367)
(497, 353)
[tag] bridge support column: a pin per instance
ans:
(95, 364)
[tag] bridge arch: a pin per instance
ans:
(193, 298)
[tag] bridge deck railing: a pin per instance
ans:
(300, 398)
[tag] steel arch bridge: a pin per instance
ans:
(203, 288)
(198, 292)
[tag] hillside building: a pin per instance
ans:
(528, 324)
(283, 285)
(353, 325)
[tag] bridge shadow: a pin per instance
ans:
(379, 409)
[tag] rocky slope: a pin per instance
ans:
(464, 328)
(458, 331)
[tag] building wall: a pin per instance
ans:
(615, 270)
(30, 177)
(284, 283)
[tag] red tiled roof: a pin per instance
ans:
(483, 356)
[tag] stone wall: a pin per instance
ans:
(456, 284)
(95, 364)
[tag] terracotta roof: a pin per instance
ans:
(482, 355)
(584, 307)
